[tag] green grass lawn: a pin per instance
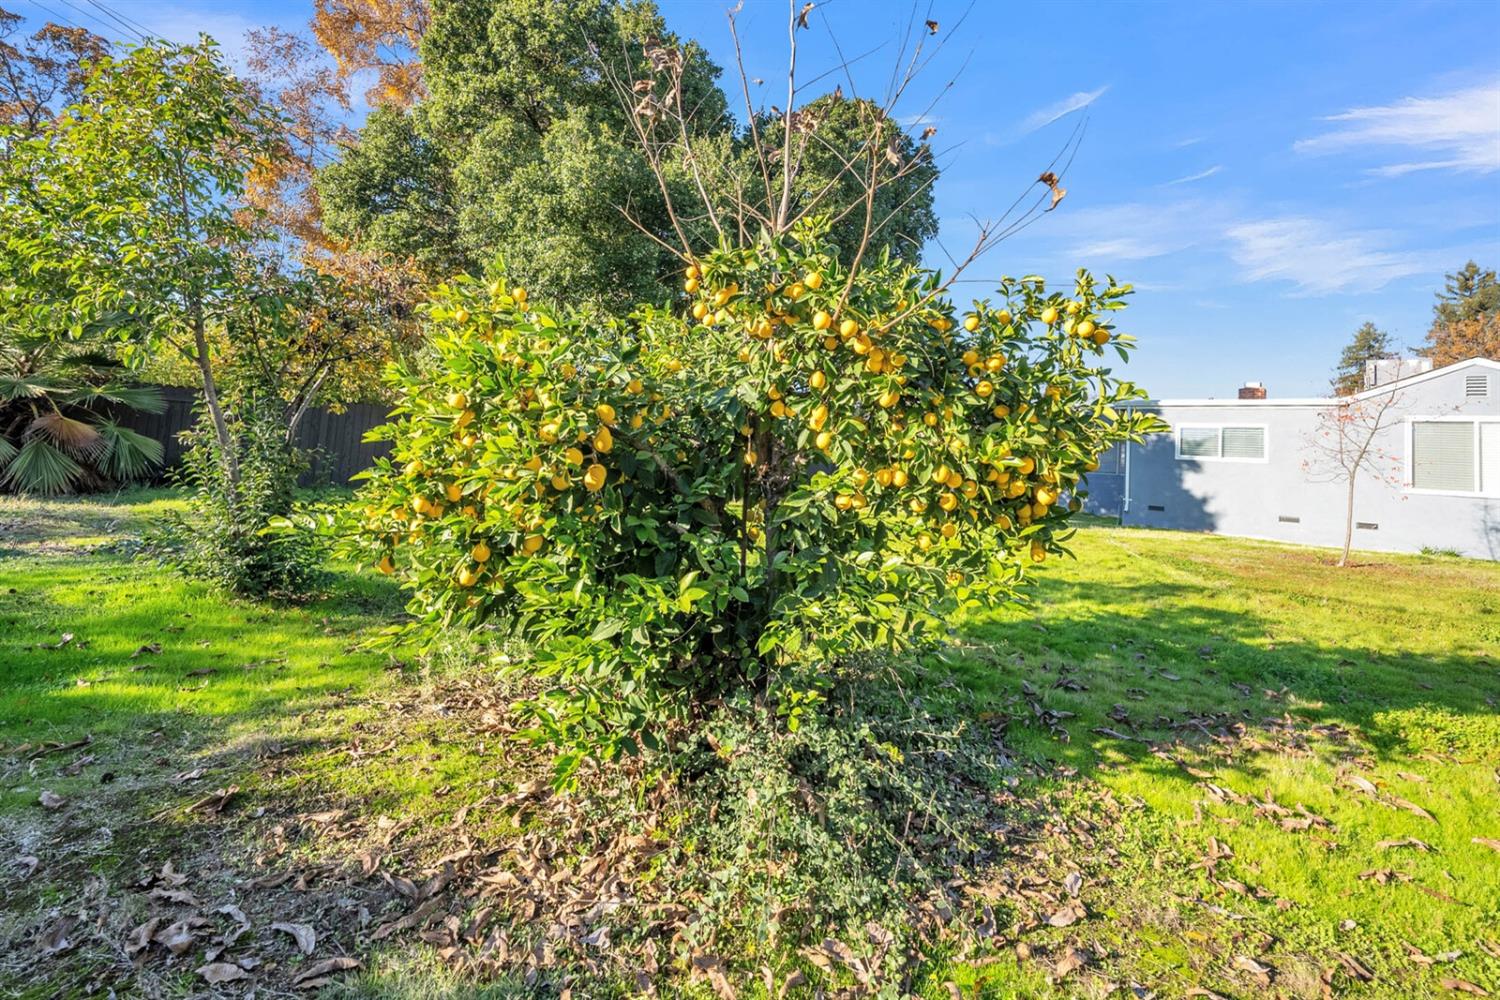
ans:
(1263, 762)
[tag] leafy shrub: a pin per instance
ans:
(240, 535)
(677, 506)
(861, 814)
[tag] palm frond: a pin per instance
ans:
(36, 386)
(39, 467)
(131, 454)
(71, 435)
(7, 452)
(146, 398)
(91, 358)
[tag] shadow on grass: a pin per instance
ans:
(1153, 662)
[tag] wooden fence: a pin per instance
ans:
(335, 441)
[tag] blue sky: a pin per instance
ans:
(1268, 175)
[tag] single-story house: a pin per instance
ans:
(1261, 467)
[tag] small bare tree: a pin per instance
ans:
(731, 198)
(1345, 445)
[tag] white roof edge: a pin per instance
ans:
(1402, 383)
(1325, 400)
(1284, 401)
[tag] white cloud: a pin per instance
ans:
(1068, 105)
(1216, 168)
(1462, 128)
(1319, 259)
(1140, 230)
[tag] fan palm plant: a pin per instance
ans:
(57, 434)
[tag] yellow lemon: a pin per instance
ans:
(817, 380)
(971, 323)
(532, 544)
(848, 328)
(984, 388)
(605, 413)
(821, 320)
(458, 400)
(479, 553)
(813, 280)
(454, 491)
(467, 578)
(594, 476)
(1049, 315)
(604, 441)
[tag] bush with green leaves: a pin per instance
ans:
(241, 533)
(59, 432)
(797, 463)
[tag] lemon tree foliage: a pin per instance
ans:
(681, 505)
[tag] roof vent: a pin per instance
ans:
(1476, 385)
(1253, 390)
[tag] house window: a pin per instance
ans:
(1235, 443)
(1455, 456)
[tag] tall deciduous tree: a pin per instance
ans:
(1466, 317)
(375, 35)
(44, 72)
(1370, 343)
(125, 213)
(526, 148)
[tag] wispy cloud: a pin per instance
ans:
(1216, 168)
(1461, 128)
(1319, 259)
(1052, 112)
(1135, 231)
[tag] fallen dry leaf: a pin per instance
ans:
(176, 938)
(303, 934)
(222, 972)
(1464, 986)
(1068, 915)
(1490, 842)
(213, 804)
(1071, 960)
(1258, 970)
(315, 974)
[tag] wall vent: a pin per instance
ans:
(1288, 519)
(1367, 525)
(1155, 506)
(1476, 385)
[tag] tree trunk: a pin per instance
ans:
(1348, 522)
(211, 399)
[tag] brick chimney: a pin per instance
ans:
(1253, 390)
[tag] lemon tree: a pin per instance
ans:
(791, 466)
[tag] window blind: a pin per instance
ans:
(1489, 458)
(1199, 442)
(1442, 455)
(1244, 442)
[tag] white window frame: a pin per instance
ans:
(1407, 471)
(1264, 429)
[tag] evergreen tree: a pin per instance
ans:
(1466, 318)
(1370, 343)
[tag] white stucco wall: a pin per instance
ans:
(1279, 499)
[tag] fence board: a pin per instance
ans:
(335, 440)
